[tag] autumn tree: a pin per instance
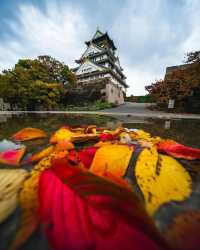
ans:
(182, 85)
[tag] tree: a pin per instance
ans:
(193, 57)
(37, 83)
(182, 84)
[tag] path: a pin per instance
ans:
(127, 109)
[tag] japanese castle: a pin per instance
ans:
(99, 62)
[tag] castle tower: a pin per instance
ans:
(99, 61)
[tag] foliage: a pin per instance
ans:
(181, 84)
(93, 106)
(37, 83)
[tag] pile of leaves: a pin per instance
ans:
(95, 188)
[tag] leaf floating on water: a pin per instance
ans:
(111, 158)
(178, 150)
(12, 157)
(184, 231)
(28, 200)
(161, 179)
(10, 183)
(29, 134)
(79, 210)
(61, 134)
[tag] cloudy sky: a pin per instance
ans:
(149, 34)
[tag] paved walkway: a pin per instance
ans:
(141, 110)
(127, 109)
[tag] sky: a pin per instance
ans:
(149, 34)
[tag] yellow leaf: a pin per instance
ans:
(161, 179)
(10, 183)
(63, 133)
(140, 134)
(111, 158)
(43, 153)
(28, 200)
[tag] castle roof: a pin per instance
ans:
(100, 36)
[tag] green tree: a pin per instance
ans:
(37, 83)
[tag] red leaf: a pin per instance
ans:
(12, 157)
(79, 210)
(178, 150)
(107, 137)
(73, 156)
(86, 156)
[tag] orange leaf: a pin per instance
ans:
(29, 134)
(64, 145)
(111, 158)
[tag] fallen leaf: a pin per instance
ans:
(86, 156)
(178, 150)
(28, 201)
(111, 158)
(12, 157)
(64, 145)
(161, 179)
(61, 134)
(107, 137)
(29, 134)
(10, 183)
(79, 210)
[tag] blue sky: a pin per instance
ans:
(149, 34)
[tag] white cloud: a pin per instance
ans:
(151, 35)
(58, 33)
(192, 42)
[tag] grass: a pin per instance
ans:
(98, 105)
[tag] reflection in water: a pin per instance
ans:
(167, 124)
(6, 145)
(182, 130)
(4, 118)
